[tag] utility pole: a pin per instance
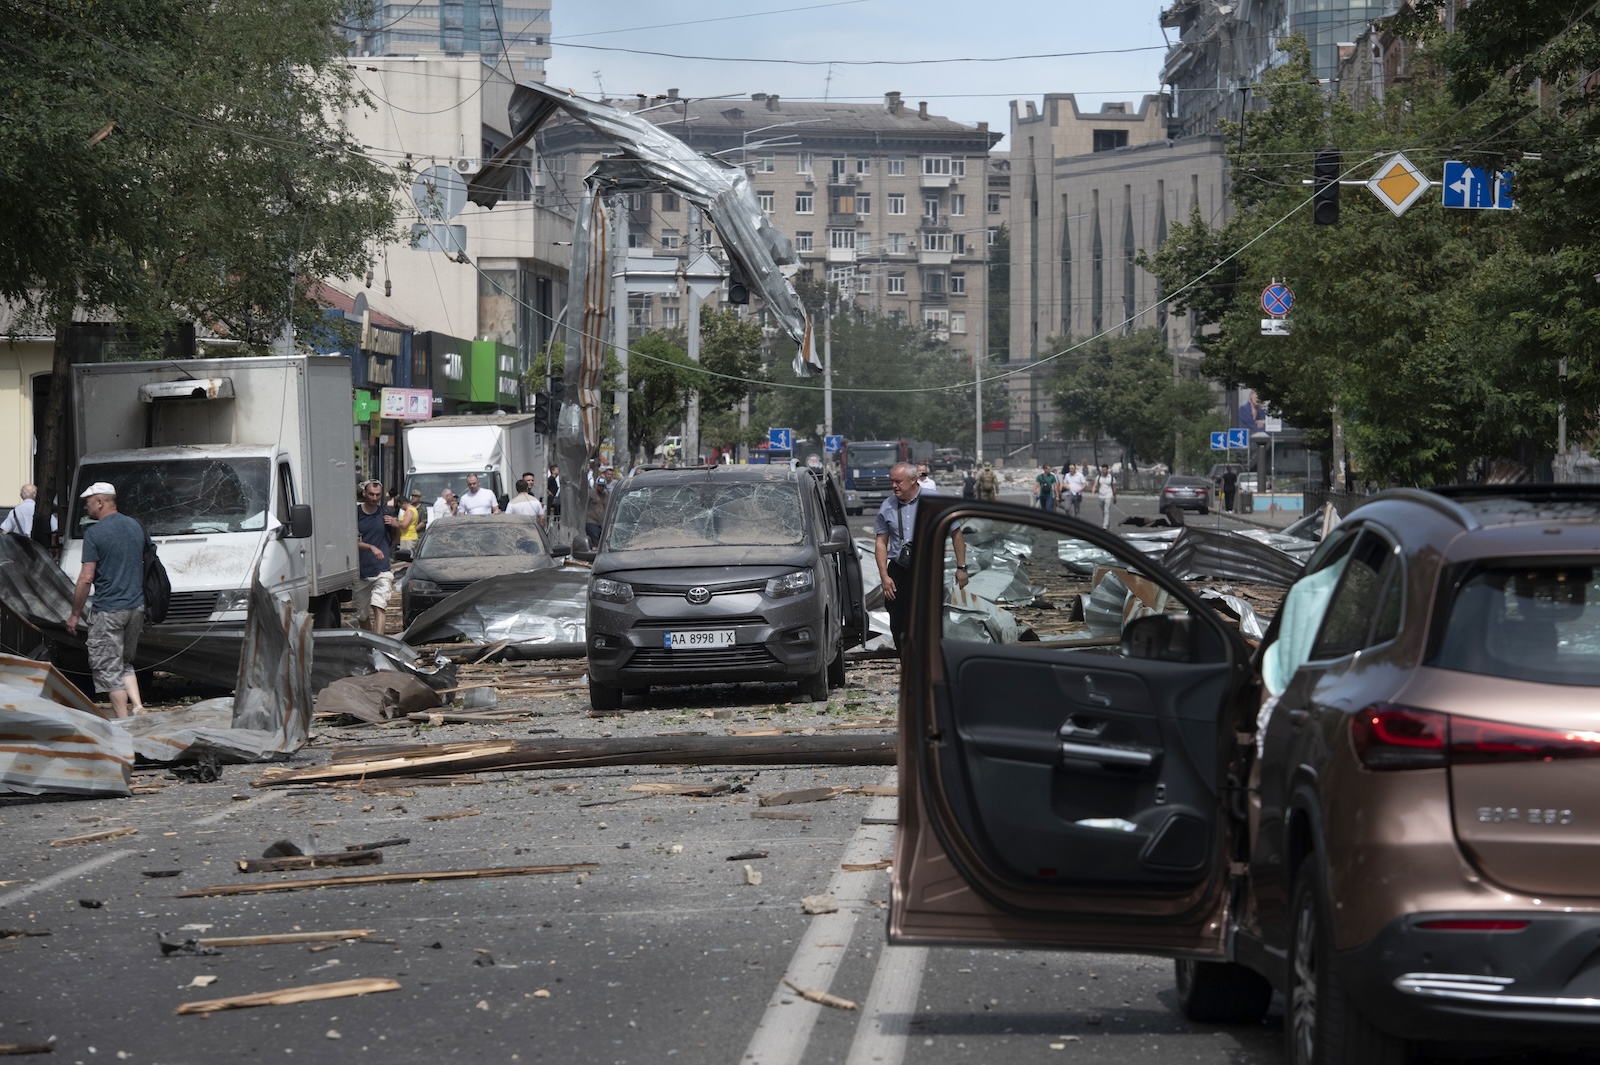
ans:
(619, 325)
(980, 359)
(691, 429)
(827, 367)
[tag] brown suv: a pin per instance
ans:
(1388, 812)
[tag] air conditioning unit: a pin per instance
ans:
(467, 164)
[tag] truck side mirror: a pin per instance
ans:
(838, 541)
(581, 549)
(299, 522)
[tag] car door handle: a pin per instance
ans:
(1113, 756)
(1095, 696)
(1078, 727)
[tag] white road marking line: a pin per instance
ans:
(785, 1028)
(891, 1003)
(233, 808)
(62, 877)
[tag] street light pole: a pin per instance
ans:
(619, 325)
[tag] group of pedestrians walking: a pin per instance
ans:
(1067, 491)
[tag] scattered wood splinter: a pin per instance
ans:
(820, 997)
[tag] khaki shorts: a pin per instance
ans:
(113, 638)
(372, 593)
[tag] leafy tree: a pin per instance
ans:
(1122, 387)
(659, 379)
(999, 332)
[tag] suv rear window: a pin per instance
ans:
(703, 514)
(1537, 622)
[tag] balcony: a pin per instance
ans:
(841, 255)
(842, 221)
(934, 258)
(936, 181)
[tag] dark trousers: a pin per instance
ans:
(900, 606)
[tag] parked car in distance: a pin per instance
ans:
(1186, 493)
(726, 573)
(948, 459)
(1383, 814)
(456, 552)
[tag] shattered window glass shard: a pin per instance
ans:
(174, 497)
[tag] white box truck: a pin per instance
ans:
(499, 448)
(230, 465)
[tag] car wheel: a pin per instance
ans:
(1214, 992)
(815, 687)
(1321, 1026)
(604, 698)
(836, 677)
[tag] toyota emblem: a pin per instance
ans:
(698, 595)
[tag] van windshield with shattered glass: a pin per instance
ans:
(706, 515)
(178, 496)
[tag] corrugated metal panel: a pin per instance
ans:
(52, 740)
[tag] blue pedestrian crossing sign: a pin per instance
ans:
(1476, 188)
(1239, 438)
(780, 439)
(1219, 441)
(833, 444)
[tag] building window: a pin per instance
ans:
(669, 240)
(936, 242)
(991, 235)
(897, 284)
(1107, 139)
(933, 282)
(958, 204)
(897, 203)
(764, 164)
(958, 168)
(937, 319)
(669, 318)
(844, 278)
(802, 163)
(863, 203)
(958, 320)
(669, 201)
(839, 167)
(863, 243)
(638, 239)
(842, 238)
(936, 165)
(803, 242)
(842, 202)
(638, 201)
(897, 168)
(958, 284)
(766, 200)
(802, 203)
(930, 208)
(897, 244)
(863, 166)
(994, 203)
(958, 243)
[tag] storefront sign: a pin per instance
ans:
(408, 404)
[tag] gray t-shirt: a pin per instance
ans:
(115, 544)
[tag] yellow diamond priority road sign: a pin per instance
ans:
(1398, 184)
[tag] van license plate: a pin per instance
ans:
(699, 639)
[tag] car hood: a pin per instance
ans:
(704, 565)
(476, 568)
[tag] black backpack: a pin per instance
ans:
(157, 586)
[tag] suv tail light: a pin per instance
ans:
(1386, 736)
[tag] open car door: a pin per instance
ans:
(852, 593)
(1064, 772)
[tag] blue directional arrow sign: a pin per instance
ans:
(833, 444)
(1219, 441)
(780, 439)
(1239, 438)
(1476, 188)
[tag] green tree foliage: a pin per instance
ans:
(1435, 335)
(914, 386)
(660, 377)
(1122, 388)
(169, 160)
(730, 352)
(999, 334)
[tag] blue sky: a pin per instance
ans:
(771, 31)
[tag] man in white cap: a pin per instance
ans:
(113, 562)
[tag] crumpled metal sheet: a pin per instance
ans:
(1117, 598)
(53, 740)
(1295, 546)
(1199, 553)
(971, 616)
(1250, 624)
(724, 192)
(544, 607)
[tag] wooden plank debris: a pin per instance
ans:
(291, 862)
(453, 815)
(291, 995)
(46, 1047)
(697, 791)
(803, 795)
(820, 997)
(276, 938)
(384, 878)
(472, 757)
(812, 730)
(94, 837)
(865, 867)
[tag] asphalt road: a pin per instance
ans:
(666, 950)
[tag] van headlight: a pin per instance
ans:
(238, 599)
(789, 584)
(610, 591)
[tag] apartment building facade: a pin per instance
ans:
(1090, 191)
(518, 36)
(888, 202)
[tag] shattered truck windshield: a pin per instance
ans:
(704, 514)
(177, 496)
(886, 455)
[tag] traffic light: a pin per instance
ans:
(738, 287)
(1325, 186)
(541, 414)
(558, 392)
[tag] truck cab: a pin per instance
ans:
(866, 469)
